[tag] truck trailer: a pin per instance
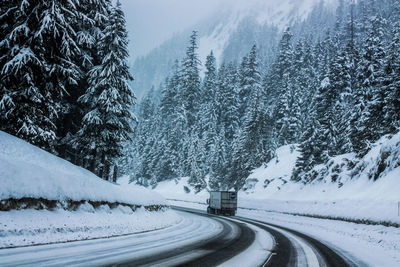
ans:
(222, 202)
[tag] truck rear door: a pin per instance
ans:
(229, 200)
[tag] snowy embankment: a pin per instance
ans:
(356, 193)
(358, 190)
(45, 199)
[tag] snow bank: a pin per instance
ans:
(346, 188)
(343, 189)
(29, 172)
(181, 190)
(30, 227)
(365, 245)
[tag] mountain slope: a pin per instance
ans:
(344, 189)
(230, 33)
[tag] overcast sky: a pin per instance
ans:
(150, 22)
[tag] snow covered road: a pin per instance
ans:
(280, 246)
(137, 247)
(210, 239)
(198, 239)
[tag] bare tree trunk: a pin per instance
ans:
(106, 173)
(103, 163)
(92, 162)
(115, 173)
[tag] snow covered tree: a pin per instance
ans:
(89, 24)
(335, 92)
(37, 67)
(367, 114)
(107, 124)
(307, 79)
(312, 153)
(338, 104)
(282, 83)
(250, 80)
(325, 135)
(196, 159)
(253, 146)
(219, 163)
(210, 79)
(190, 79)
(229, 105)
(208, 120)
(391, 88)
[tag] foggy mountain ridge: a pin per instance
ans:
(229, 33)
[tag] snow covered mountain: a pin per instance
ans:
(230, 33)
(282, 15)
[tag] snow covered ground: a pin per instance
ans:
(29, 227)
(358, 198)
(29, 172)
(338, 193)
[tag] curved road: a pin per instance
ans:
(199, 239)
(194, 239)
(292, 248)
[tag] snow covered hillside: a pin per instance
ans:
(344, 188)
(29, 172)
(263, 12)
(85, 206)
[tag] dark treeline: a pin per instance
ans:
(331, 95)
(64, 79)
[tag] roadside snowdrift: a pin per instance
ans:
(29, 172)
(358, 190)
(101, 209)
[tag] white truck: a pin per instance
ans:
(222, 202)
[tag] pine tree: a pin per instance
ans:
(311, 151)
(250, 79)
(37, 67)
(229, 102)
(307, 78)
(338, 100)
(219, 164)
(208, 119)
(376, 79)
(244, 89)
(107, 125)
(367, 114)
(190, 79)
(325, 135)
(196, 155)
(210, 79)
(391, 88)
(254, 143)
(282, 82)
(89, 25)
